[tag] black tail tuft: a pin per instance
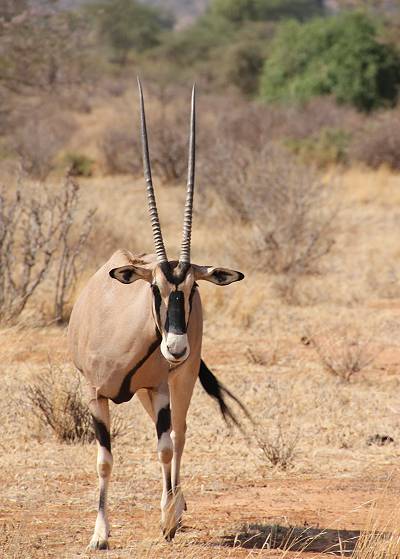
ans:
(216, 390)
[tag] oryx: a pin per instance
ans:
(137, 328)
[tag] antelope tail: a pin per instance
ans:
(216, 390)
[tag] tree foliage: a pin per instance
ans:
(45, 52)
(128, 24)
(11, 8)
(341, 56)
(238, 11)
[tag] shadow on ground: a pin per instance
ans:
(293, 538)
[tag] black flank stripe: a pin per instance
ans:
(163, 421)
(102, 435)
(125, 394)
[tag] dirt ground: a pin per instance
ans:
(237, 505)
(273, 355)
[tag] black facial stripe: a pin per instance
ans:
(125, 394)
(102, 435)
(157, 301)
(174, 272)
(195, 286)
(176, 323)
(163, 421)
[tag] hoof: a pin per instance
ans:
(169, 534)
(97, 543)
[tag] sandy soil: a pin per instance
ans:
(237, 505)
(273, 356)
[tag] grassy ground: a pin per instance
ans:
(276, 357)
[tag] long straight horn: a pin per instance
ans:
(155, 221)
(187, 219)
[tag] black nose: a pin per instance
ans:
(177, 354)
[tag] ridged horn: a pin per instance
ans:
(187, 218)
(155, 221)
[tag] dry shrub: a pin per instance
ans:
(170, 129)
(287, 208)
(168, 132)
(168, 139)
(55, 399)
(28, 226)
(327, 147)
(37, 233)
(38, 137)
(284, 205)
(277, 436)
(121, 150)
(278, 446)
(281, 208)
(379, 142)
(263, 358)
(70, 246)
(310, 119)
(344, 352)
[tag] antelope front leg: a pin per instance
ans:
(181, 388)
(162, 418)
(101, 421)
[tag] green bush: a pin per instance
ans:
(195, 45)
(238, 11)
(129, 24)
(241, 62)
(79, 165)
(341, 56)
(328, 147)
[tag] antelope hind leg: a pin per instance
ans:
(101, 420)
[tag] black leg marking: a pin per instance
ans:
(102, 500)
(169, 485)
(163, 421)
(125, 394)
(102, 435)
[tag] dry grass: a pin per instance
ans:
(253, 342)
(344, 352)
(55, 400)
(17, 543)
(380, 538)
(278, 448)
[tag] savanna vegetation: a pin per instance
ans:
(297, 185)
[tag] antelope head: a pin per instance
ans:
(173, 282)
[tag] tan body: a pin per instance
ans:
(137, 328)
(112, 329)
(115, 344)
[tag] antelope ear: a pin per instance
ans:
(130, 273)
(219, 276)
